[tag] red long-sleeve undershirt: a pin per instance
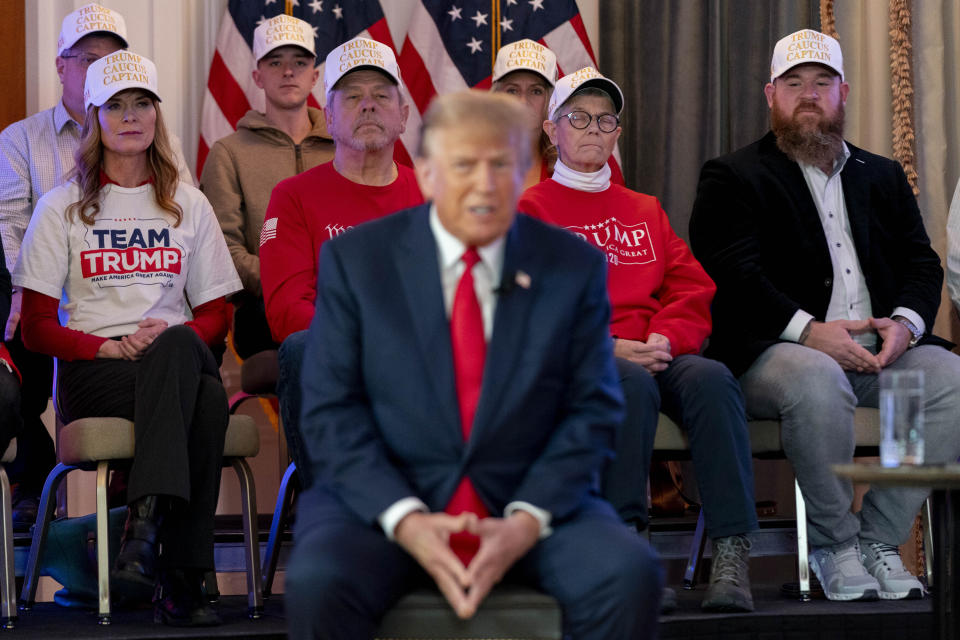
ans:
(42, 331)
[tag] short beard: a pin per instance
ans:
(818, 147)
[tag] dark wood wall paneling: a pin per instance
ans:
(13, 74)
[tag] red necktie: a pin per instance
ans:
(469, 352)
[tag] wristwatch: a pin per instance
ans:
(915, 333)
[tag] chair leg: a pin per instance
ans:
(927, 523)
(696, 553)
(251, 537)
(210, 586)
(44, 516)
(103, 544)
(803, 562)
(280, 513)
(8, 584)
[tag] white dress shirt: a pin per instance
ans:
(486, 280)
(953, 248)
(849, 296)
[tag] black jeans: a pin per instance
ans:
(36, 456)
(10, 422)
(179, 406)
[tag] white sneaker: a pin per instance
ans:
(842, 575)
(883, 562)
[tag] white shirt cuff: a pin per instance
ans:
(912, 316)
(396, 512)
(542, 515)
(795, 326)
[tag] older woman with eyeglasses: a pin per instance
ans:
(528, 71)
(660, 298)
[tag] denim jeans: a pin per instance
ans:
(815, 400)
(703, 397)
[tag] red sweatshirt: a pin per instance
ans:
(654, 282)
(304, 212)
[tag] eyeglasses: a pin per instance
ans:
(83, 59)
(606, 122)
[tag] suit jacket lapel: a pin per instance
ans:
(509, 328)
(856, 197)
(798, 193)
(418, 265)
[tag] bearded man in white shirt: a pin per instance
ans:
(825, 277)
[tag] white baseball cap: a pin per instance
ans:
(115, 72)
(803, 47)
(280, 31)
(359, 53)
(526, 55)
(89, 19)
(586, 77)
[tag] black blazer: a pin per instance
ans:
(756, 230)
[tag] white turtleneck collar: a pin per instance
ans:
(596, 181)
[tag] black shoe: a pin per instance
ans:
(134, 575)
(24, 511)
(181, 602)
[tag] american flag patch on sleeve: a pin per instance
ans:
(269, 231)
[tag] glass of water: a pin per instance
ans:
(901, 418)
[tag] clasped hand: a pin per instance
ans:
(835, 338)
(503, 541)
(131, 347)
(653, 355)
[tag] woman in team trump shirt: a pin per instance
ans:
(145, 269)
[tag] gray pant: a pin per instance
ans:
(815, 400)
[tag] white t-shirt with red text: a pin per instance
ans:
(131, 264)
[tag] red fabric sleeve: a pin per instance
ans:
(288, 267)
(5, 357)
(210, 321)
(43, 333)
(685, 293)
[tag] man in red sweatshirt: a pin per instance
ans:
(365, 114)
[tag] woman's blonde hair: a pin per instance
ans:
(546, 149)
(88, 161)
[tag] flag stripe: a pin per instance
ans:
(572, 55)
(238, 58)
(230, 98)
(577, 23)
(423, 34)
(416, 77)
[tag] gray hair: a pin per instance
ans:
(586, 92)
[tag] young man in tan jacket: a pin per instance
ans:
(242, 168)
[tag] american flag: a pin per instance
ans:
(452, 44)
(230, 88)
(449, 45)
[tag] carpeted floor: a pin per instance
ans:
(775, 618)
